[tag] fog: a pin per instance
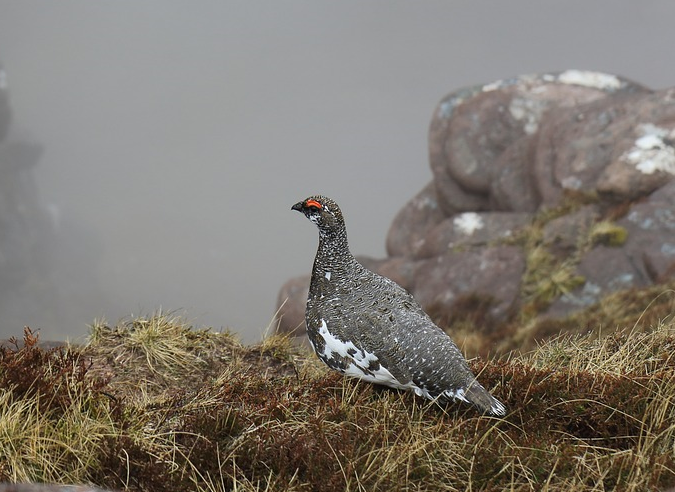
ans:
(176, 135)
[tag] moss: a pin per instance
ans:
(546, 278)
(608, 234)
(547, 275)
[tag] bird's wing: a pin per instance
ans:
(411, 348)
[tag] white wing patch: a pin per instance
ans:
(333, 345)
(360, 361)
(366, 366)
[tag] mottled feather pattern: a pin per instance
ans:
(365, 325)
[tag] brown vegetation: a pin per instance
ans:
(152, 405)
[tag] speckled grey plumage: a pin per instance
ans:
(367, 326)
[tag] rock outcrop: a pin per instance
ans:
(549, 192)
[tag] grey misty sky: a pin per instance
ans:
(178, 134)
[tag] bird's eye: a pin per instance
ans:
(314, 208)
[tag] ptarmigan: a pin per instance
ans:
(367, 326)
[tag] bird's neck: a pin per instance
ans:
(333, 254)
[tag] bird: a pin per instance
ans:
(367, 326)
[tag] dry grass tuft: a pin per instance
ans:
(53, 414)
(158, 352)
(636, 309)
(585, 413)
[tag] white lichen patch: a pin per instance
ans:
(586, 78)
(668, 249)
(528, 112)
(653, 150)
(468, 223)
(589, 295)
(493, 86)
(448, 105)
(445, 109)
(425, 202)
(621, 281)
(571, 183)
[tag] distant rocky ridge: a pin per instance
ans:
(40, 247)
(549, 192)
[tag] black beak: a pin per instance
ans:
(298, 206)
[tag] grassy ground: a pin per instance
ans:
(153, 405)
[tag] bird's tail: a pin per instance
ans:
(479, 396)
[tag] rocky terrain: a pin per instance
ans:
(549, 193)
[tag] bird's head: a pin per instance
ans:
(323, 211)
